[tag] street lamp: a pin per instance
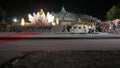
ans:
(15, 20)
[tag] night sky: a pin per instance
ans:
(96, 8)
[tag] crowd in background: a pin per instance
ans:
(26, 29)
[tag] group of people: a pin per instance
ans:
(92, 28)
(26, 29)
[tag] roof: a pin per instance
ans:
(63, 10)
(64, 15)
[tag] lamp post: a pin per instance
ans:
(16, 21)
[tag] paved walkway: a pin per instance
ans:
(59, 34)
(73, 36)
(67, 59)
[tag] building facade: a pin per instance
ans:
(66, 17)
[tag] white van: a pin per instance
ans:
(79, 28)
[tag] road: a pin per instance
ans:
(14, 48)
(71, 44)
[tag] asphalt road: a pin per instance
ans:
(12, 49)
(56, 44)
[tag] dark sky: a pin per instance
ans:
(96, 8)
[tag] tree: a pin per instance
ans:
(2, 13)
(113, 13)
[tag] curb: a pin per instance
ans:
(33, 38)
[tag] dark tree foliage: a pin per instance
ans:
(2, 13)
(113, 13)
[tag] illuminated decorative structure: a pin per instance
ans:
(57, 21)
(40, 18)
